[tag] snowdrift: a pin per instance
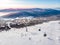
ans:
(33, 36)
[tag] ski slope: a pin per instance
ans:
(33, 36)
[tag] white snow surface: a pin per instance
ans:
(33, 36)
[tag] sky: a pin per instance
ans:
(29, 4)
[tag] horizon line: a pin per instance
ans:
(26, 8)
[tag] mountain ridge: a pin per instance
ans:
(34, 12)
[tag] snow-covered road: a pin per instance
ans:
(33, 36)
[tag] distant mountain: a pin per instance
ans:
(34, 12)
(57, 8)
(13, 10)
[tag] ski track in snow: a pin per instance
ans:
(33, 36)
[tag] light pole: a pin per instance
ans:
(26, 24)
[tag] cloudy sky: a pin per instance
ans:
(29, 4)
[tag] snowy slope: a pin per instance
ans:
(33, 36)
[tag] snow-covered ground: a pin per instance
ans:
(33, 36)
